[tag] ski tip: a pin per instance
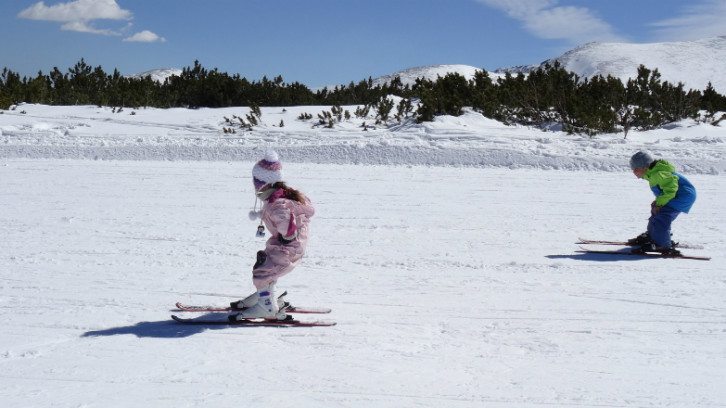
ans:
(309, 310)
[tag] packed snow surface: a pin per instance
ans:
(446, 251)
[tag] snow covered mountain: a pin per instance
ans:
(408, 76)
(159, 75)
(695, 63)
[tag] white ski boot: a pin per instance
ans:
(265, 308)
(252, 300)
(249, 301)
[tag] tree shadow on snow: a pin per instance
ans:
(164, 329)
(598, 257)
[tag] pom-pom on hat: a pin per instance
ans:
(267, 171)
(640, 160)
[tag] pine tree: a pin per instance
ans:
(711, 101)
(383, 109)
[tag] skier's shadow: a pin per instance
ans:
(598, 257)
(163, 329)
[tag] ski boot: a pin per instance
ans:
(651, 247)
(640, 240)
(245, 303)
(641, 249)
(265, 308)
(252, 300)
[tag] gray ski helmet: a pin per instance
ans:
(640, 160)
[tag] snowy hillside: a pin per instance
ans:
(159, 75)
(431, 72)
(695, 63)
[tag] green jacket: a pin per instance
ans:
(669, 187)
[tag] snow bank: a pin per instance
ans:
(101, 133)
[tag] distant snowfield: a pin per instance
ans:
(452, 287)
(89, 132)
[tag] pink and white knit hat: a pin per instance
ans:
(267, 171)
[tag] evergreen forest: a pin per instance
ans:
(546, 97)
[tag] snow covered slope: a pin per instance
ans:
(159, 75)
(695, 63)
(408, 76)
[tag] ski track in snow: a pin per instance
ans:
(455, 287)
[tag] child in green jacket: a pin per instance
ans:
(674, 194)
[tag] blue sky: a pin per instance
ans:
(323, 42)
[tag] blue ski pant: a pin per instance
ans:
(659, 226)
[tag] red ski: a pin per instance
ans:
(291, 309)
(224, 321)
(629, 252)
(624, 243)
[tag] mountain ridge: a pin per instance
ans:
(694, 63)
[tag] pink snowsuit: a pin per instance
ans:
(286, 217)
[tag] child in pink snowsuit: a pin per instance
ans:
(286, 214)
(287, 221)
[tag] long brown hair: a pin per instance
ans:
(291, 193)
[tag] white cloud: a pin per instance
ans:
(76, 10)
(145, 36)
(546, 19)
(704, 20)
(78, 16)
(82, 27)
